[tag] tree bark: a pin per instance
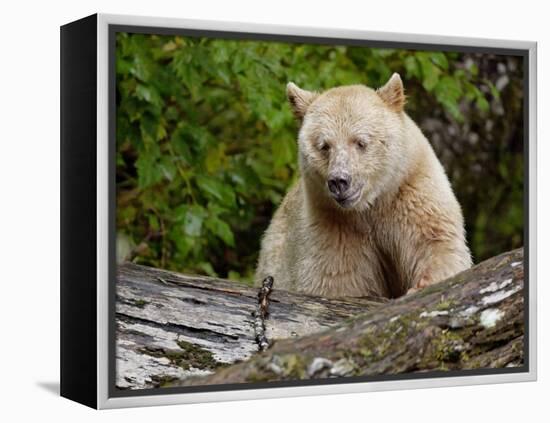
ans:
(172, 326)
(178, 330)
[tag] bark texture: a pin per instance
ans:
(178, 330)
(172, 326)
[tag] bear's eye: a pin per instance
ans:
(360, 143)
(323, 146)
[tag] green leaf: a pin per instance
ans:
(216, 189)
(207, 268)
(184, 245)
(283, 149)
(412, 67)
(123, 66)
(181, 144)
(449, 92)
(430, 72)
(482, 103)
(440, 60)
(149, 94)
(448, 87)
(221, 52)
(148, 170)
(120, 160)
(215, 158)
(453, 109)
(194, 218)
(494, 91)
(167, 168)
(153, 222)
(221, 229)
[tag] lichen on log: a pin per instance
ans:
(470, 321)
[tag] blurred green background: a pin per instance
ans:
(206, 143)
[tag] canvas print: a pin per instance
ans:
(304, 211)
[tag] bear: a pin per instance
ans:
(373, 213)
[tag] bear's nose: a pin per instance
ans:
(338, 184)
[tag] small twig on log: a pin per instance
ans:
(162, 280)
(261, 313)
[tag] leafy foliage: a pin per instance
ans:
(206, 142)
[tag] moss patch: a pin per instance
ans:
(190, 355)
(195, 356)
(445, 305)
(163, 381)
(279, 367)
(140, 303)
(294, 366)
(446, 351)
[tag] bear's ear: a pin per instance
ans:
(299, 99)
(393, 93)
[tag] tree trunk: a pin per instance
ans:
(178, 330)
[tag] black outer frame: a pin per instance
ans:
(79, 211)
(79, 366)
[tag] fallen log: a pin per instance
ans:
(472, 320)
(172, 326)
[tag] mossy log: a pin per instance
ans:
(172, 326)
(177, 330)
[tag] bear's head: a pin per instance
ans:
(351, 142)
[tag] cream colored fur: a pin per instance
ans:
(401, 227)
